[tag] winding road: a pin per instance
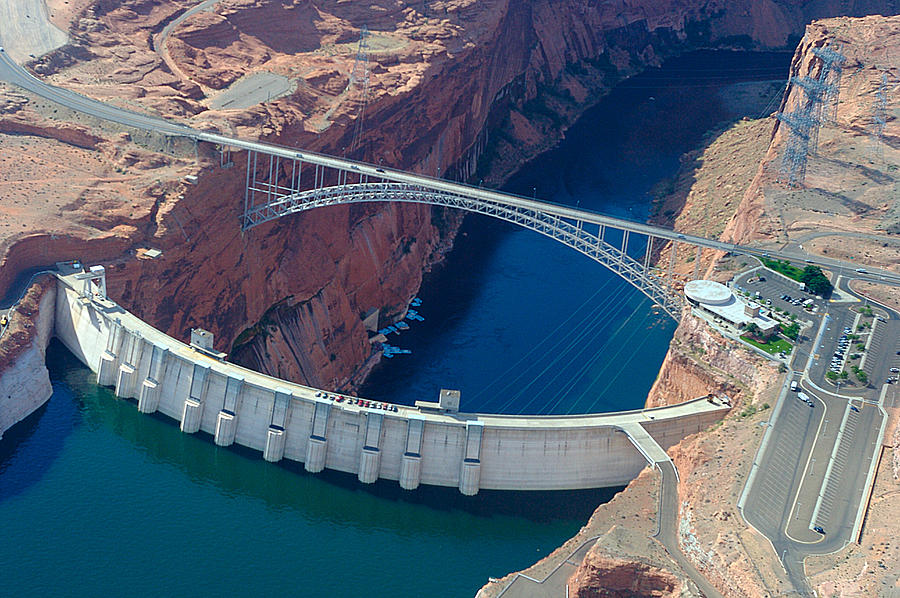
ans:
(792, 424)
(11, 72)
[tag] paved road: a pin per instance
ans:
(814, 463)
(668, 528)
(160, 45)
(13, 73)
(836, 233)
(26, 31)
(552, 586)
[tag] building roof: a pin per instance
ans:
(708, 292)
(718, 299)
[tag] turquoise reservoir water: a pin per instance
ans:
(99, 500)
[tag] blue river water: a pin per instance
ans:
(97, 499)
(518, 322)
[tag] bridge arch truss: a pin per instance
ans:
(586, 238)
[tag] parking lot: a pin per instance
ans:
(771, 290)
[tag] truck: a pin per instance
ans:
(793, 386)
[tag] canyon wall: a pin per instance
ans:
(287, 296)
(24, 379)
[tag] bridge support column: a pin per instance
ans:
(148, 396)
(697, 262)
(411, 463)
(673, 251)
(316, 447)
(192, 413)
(226, 421)
(470, 471)
(370, 456)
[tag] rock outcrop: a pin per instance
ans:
(599, 577)
(287, 296)
(24, 379)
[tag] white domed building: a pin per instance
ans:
(715, 299)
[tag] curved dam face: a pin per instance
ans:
(413, 446)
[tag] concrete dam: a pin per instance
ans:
(412, 445)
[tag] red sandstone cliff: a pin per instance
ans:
(601, 577)
(439, 73)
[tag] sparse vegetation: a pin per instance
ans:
(772, 345)
(791, 331)
(812, 276)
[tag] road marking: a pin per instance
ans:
(839, 441)
(803, 475)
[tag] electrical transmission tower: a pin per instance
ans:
(832, 69)
(819, 105)
(360, 72)
(359, 77)
(879, 114)
(811, 111)
(793, 161)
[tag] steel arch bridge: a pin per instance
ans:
(570, 231)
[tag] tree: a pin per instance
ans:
(862, 377)
(792, 331)
(831, 375)
(752, 329)
(815, 280)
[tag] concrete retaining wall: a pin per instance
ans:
(285, 420)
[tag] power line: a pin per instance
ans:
(574, 337)
(359, 77)
(546, 338)
(595, 334)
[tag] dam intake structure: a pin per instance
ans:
(429, 444)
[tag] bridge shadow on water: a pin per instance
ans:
(31, 448)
